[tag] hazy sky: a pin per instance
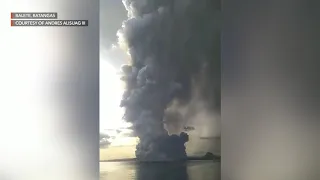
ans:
(112, 14)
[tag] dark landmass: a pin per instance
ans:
(207, 157)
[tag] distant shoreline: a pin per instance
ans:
(191, 158)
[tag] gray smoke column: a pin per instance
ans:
(169, 42)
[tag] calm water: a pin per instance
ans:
(195, 170)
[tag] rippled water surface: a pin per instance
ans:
(195, 170)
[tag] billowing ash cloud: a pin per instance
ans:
(170, 42)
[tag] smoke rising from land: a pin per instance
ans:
(174, 47)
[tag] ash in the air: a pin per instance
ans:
(169, 42)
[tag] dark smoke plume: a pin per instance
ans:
(171, 43)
